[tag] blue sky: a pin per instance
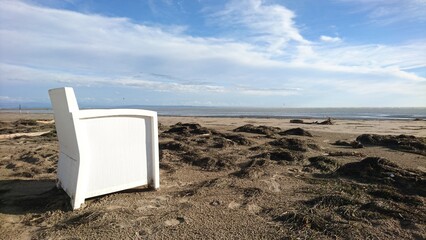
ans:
(305, 53)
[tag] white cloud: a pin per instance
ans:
(330, 39)
(49, 46)
(261, 24)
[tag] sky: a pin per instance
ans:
(260, 53)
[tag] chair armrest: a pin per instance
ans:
(102, 113)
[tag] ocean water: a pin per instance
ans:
(336, 113)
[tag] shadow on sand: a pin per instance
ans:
(39, 196)
(31, 196)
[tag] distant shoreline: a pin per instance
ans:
(308, 117)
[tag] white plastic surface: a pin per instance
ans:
(103, 151)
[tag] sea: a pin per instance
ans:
(257, 112)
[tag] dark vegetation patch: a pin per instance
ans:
(50, 136)
(281, 156)
(404, 143)
(221, 142)
(321, 163)
(224, 140)
(32, 163)
(253, 169)
(25, 122)
(389, 194)
(330, 201)
(207, 162)
(187, 129)
(196, 145)
(353, 144)
(237, 138)
(249, 128)
(291, 144)
(252, 192)
(339, 207)
(30, 157)
(24, 126)
(381, 170)
(296, 131)
(174, 146)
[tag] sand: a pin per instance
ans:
(221, 184)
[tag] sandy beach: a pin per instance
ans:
(230, 178)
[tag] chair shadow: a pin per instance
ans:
(40, 196)
(31, 196)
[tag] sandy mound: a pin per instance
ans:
(321, 163)
(380, 170)
(401, 142)
(249, 128)
(296, 131)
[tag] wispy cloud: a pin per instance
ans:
(270, 26)
(391, 11)
(268, 91)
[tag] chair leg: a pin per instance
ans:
(77, 203)
(58, 184)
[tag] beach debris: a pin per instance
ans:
(329, 121)
(297, 121)
(291, 144)
(346, 154)
(321, 163)
(296, 131)
(378, 170)
(353, 144)
(404, 143)
(249, 128)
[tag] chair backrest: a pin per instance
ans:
(65, 110)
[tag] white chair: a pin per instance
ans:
(103, 151)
